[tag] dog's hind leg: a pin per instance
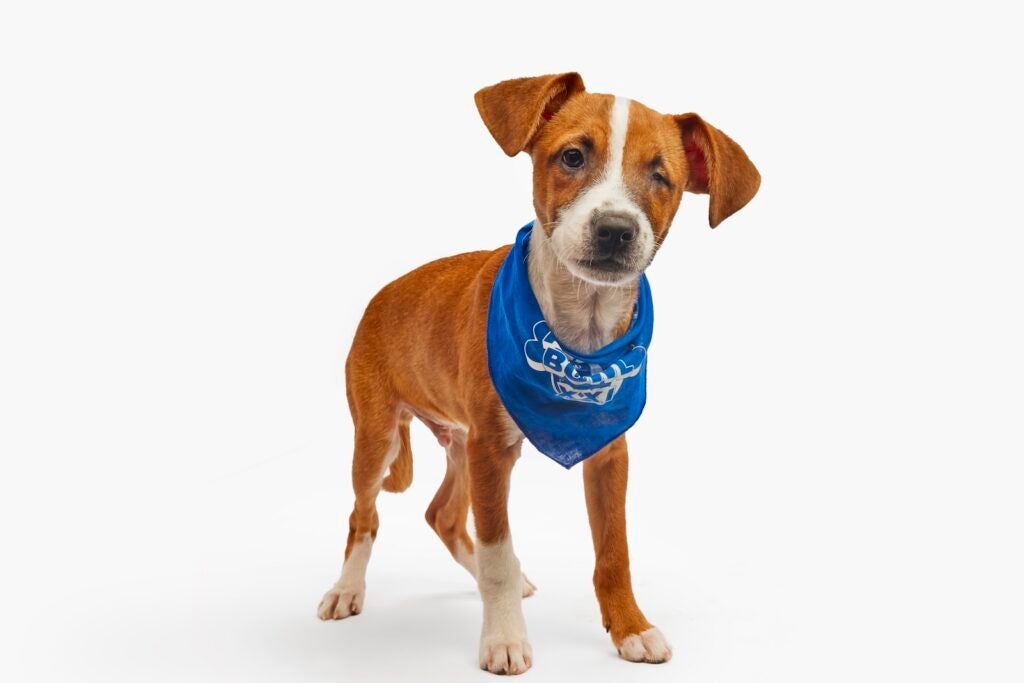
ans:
(448, 512)
(378, 441)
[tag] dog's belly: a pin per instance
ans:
(444, 429)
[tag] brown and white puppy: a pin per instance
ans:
(608, 176)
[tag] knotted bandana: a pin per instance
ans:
(568, 404)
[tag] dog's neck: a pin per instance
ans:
(583, 315)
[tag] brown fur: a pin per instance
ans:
(420, 347)
(553, 189)
(723, 169)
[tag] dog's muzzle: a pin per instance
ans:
(613, 241)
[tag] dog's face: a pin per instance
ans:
(609, 173)
(607, 176)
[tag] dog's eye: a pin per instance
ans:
(572, 157)
(660, 179)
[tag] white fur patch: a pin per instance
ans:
(571, 233)
(504, 647)
(583, 315)
(649, 646)
(468, 561)
(346, 596)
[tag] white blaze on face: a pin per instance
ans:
(572, 234)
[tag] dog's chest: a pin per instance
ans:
(588, 319)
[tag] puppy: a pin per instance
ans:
(608, 177)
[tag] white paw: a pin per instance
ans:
(341, 602)
(511, 656)
(649, 646)
(528, 587)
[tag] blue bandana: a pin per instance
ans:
(568, 404)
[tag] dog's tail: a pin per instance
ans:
(399, 475)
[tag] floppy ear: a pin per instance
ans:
(718, 166)
(515, 110)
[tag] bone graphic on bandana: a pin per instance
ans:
(577, 380)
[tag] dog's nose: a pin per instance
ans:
(614, 231)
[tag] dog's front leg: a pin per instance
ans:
(604, 480)
(504, 647)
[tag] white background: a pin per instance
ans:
(197, 199)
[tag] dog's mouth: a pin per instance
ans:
(606, 265)
(607, 270)
(596, 263)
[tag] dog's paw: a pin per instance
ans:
(511, 656)
(341, 602)
(648, 646)
(528, 587)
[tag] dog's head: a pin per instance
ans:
(609, 173)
